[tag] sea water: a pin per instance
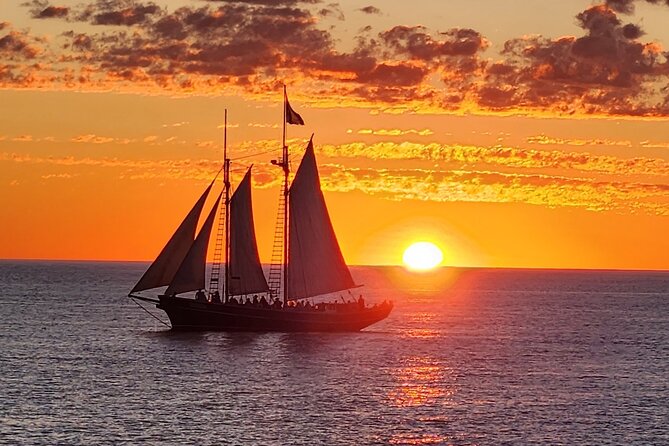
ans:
(467, 357)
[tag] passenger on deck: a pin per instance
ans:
(255, 300)
(361, 302)
(233, 301)
(200, 296)
(216, 298)
(247, 301)
(263, 302)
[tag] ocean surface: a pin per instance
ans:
(467, 357)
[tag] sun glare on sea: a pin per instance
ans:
(422, 256)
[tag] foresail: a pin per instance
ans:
(245, 271)
(315, 263)
(162, 270)
(191, 273)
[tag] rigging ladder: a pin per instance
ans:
(276, 265)
(215, 279)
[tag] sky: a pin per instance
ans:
(509, 133)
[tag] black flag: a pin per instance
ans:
(292, 117)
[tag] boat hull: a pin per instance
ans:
(190, 315)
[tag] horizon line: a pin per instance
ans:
(549, 268)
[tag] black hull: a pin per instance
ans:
(189, 315)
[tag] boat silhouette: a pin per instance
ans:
(307, 262)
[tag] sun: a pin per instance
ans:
(422, 256)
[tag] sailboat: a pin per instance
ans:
(312, 265)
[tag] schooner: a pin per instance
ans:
(311, 264)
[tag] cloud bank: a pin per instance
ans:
(252, 46)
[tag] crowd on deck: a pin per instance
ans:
(277, 304)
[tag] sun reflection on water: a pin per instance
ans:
(419, 382)
(418, 439)
(420, 323)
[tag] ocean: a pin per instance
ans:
(467, 357)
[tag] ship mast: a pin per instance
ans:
(226, 182)
(289, 117)
(286, 171)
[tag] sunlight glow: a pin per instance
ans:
(422, 256)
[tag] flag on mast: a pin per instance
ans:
(292, 117)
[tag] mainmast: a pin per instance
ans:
(226, 182)
(286, 171)
(289, 117)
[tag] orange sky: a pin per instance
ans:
(424, 129)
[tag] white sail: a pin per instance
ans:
(315, 263)
(191, 273)
(245, 271)
(162, 270)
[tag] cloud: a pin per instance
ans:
(18, 45)
(59, 176)
(332, 10)
(418, 44)
(544, 140)
(252, 47)
(495, 187)
(93, 139)
(119, 12)
(437, 185)
(627, 6)
(248, 46)
(23, 138)
(607, 71)
(498, 158)
(41, 9)
(393, 132)
(370, 10)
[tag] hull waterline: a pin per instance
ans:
(190, 315)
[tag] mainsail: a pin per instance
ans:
(245, 271)
(191, 273)
(315, 263)
(162, 270)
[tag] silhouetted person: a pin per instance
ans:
(361, 302)
(200, 296)
(216, 298)
(255, 299)
(263, 302)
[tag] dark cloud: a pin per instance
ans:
(119, 12)
(417, 43)
(257, 45)
(370, 10)
(243, 43)
(608, 70)
(627, 6)
(41, 9)
(17, 45)
(400, 75)
(268, 2)
(332, 10)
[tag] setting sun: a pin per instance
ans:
(422, 256)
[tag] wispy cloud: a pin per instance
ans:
(92, 139)
(392, 132)
(546, 140)
(482, 182)
(496, 187)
